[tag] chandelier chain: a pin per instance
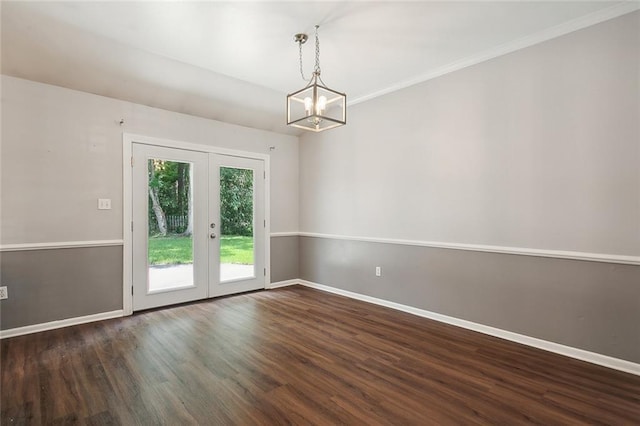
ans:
(301, 69)
(316, 69)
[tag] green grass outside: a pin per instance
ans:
(175, 250)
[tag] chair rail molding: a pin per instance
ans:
(523, 251)
(59, 245)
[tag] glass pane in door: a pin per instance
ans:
(170, 240)
(236, 224)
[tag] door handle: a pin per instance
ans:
(212, 235)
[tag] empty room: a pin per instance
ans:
(317, 212)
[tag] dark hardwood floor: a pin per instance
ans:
(298, 356)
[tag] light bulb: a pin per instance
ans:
(322, 105)
(307, 105)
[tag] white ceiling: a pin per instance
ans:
(236, 61)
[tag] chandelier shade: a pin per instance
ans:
(315, 107)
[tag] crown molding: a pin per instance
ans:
(588, 20)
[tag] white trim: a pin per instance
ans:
(280, 284)
(592, 357)
(60, 245)
(267, 220)
(581, 354)
(127, 219)
(128, 139)
(52, 325)
(150, 140)
(285, 234)
(527, 41)
(559, 254)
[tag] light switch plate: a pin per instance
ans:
(104, 203)
(4, 294)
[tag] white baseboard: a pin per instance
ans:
(581, 354)
(282, 284)
(19, 331)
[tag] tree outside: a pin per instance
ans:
(170, 214)
(236, 201)
(169, 198)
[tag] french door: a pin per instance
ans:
(198, 225)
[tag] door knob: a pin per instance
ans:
(212, 235)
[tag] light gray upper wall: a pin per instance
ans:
(62, 150)
(537, 149)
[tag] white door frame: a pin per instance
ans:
(128, 139)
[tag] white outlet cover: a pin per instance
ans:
(104, 203)
(4, 293)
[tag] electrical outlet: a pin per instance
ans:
(4, 294)
(378, 271)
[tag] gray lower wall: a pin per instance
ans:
(588, 305)
(284, 258)
(55, 284)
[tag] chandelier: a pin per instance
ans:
(315, 107)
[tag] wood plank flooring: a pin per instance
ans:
(298, 356)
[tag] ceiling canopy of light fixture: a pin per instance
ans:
(315, 107)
